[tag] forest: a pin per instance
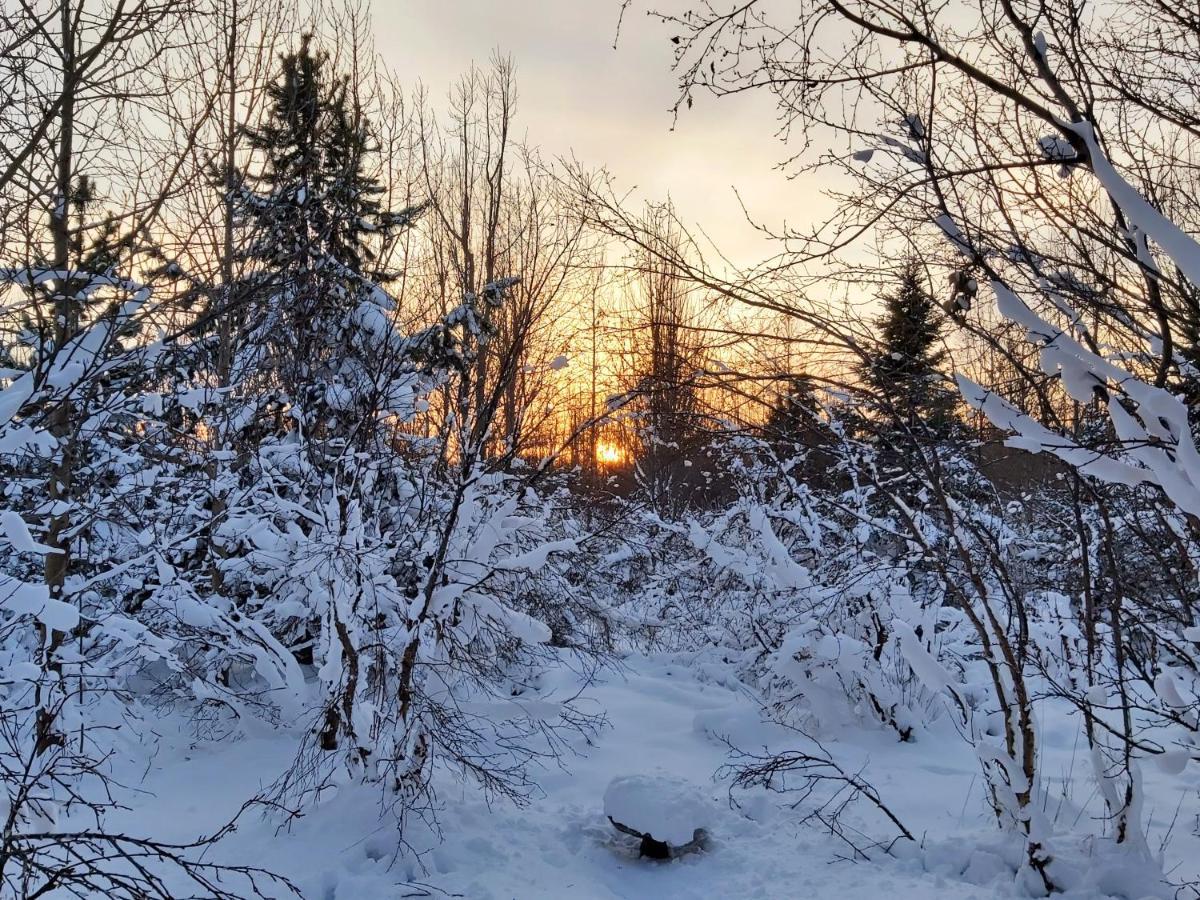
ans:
(392, 506)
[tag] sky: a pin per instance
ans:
(610, 107)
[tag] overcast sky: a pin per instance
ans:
(611, 107)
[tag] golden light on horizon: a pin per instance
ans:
(609, 454)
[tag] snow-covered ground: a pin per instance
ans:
(667, 716)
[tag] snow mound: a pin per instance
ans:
(666, 808)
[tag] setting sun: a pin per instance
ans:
(608, 454)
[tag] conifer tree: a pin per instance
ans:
(906, 373)
(798, 427)
(794, 416)
(314, 212)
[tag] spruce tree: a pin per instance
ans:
(794, 418)
(906, 373)
(313, 209)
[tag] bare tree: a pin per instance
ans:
(1032, 148)
(495, 208)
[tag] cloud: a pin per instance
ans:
(610, 107)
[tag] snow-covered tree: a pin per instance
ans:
(314, 220)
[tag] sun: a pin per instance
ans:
(608, 454)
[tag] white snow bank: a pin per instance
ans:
(666, 808)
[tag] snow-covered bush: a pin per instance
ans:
(87, 529)
(807, 589)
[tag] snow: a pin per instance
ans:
(1175, 242)
(668, 721)
(666, 808)
(537, 557)
(18, 535)
(21, 598)
(931, 673)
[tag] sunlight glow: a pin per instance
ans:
(609, 454)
